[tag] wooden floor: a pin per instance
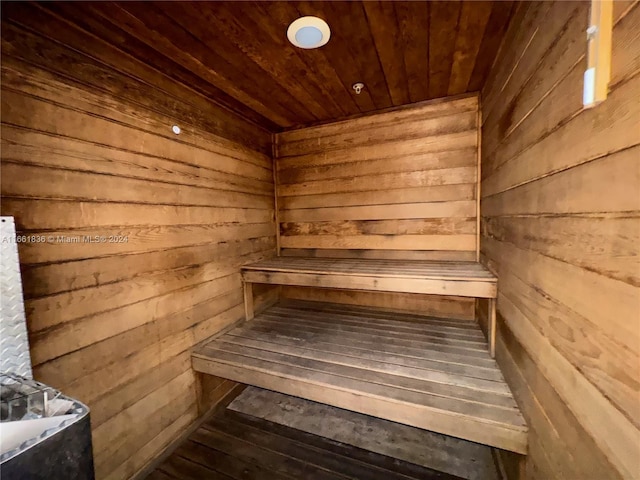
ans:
(461, 458)
(235, 446)
(426, 372)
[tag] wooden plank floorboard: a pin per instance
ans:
(363, 331)
(236, 446)
(370, 267)
(159, 475)
(356, 324)
(330, 342)
(323, 452)
(362, 381)
(379, 357)
(381, 316)
(266, 457)
(374, 336)
(224, 463)
(392, 440)
(367, 318)
(374, 366)
(373, 311)
(183, 469)
(438, 382)
(448, 390)
(475, 422)
(322, 459)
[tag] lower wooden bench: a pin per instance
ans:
(465, 279)
(426, 372)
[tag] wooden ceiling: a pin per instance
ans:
(237, 53)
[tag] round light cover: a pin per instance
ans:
(308, 32)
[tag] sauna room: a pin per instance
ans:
(320, 240)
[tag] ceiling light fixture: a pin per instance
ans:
(308, 32)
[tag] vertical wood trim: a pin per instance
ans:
(479, 178)
(478, 185)
(599, 47)
(274, 163)
(491, 330)
(248, 299)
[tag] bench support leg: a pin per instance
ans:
(248, 300)
(492, 327)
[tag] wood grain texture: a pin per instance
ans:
(417, 446)
(465, 279)
(404, 52)
(406, 277)
(233, 445)
(452, 307)
(76, 27)
(474, 17)
(420, 371)
(400, 184)
(87, 150)
(560, 224)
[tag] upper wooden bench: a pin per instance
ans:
(465, 279)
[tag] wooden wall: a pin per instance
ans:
(400, 184)
(561, 227)
(87, 150)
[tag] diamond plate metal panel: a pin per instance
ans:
(14, 342)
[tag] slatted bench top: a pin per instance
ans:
(470, 279)
(422, 371)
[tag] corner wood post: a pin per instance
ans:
(492, 327)
(248, 300)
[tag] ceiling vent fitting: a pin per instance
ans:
(358, 87)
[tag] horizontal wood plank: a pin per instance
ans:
(431, 287)
(390, 150)
(438, 193)
(402, 211)
(448, 176)
(412, 127)
(408, 163)
(393, 185)
(343, 379)
(439, 226)
(560, 214)
(439, 306)
(471, 271)
(382, 242)
(136, 234)
(427, 255)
